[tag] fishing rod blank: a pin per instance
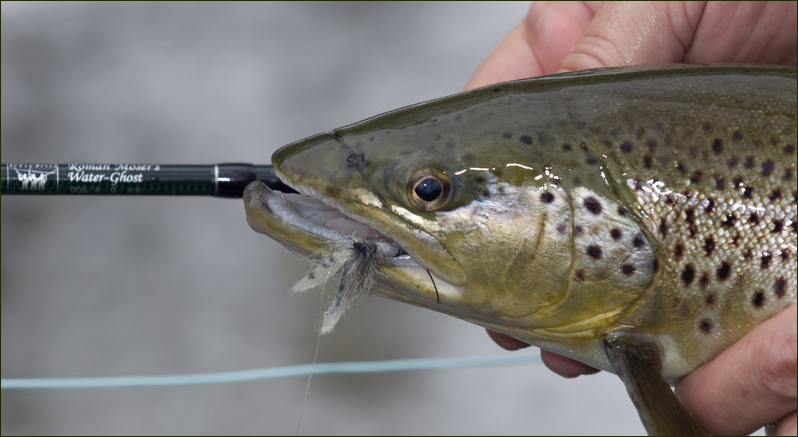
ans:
(219, 180)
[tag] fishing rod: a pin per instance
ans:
(218, 180)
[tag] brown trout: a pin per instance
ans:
(637, 220)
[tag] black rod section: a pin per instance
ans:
(219, 180)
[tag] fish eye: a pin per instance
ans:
(429, 191)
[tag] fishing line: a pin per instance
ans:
(352, 367)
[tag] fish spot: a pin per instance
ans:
(710, 205)
(590, 159)
(778, 225)
(758, 299)
(738, 182)
(780, 287)
(654, 265)
(787, 175)
(647, 161)
(678, 251)
(578, 230)
(616, 234)
(732, 162)
(651, 144)
(639, 241)
(784, 255)
(593, 252)
(720, 182)
(703, 281)
(709, 246)
(724, 271)
(765, 260)
(749, 162)
(561, 228)
(706, 127)
(449, 145)
(593, 205)
(709, 299)
(566, 147)
(753, 219)
(546, 197)
(680, 166)
(737, 136)
(690, 219)
(706, 326)
(628, 269)
(747, 192)
(767, 168)
(663, 227)
(748, 254)
(579, 275)
(775, 195)
(622, 211)
(717, 146)
(507, 135)
(789, 148)
(626, 147)
(696, 177)
(729, 220)
(526, 139)
(688, 274)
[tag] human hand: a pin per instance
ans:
(569, 36)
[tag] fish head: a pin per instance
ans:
(474, 228)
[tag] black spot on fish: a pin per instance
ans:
(785, 255)
(690, 219)
(737, 136)
(709, 246)
(775, 195)
(709, 299)
(628, 269)
(720, 183)
(438, 137)
(749, 162)
(706, 127)
(654, 265)
(688, 274)
(780, 287)
(485, 193)
(717, 146)
(622, 211)
(639, 241)
(593, 252)
(480, 179)
(647, 161)
(696, 177)
(593, 205)
(724, 271)
(732, 162)
(789, 148)
(678, 251)
(578, 230)
(738, 182)
(705, 326)
(663, 227)
(626, 147)
(787, 175)
(615, 233)
(767, 168)
(747, 192)
(561, 228)
(651, 145)
(682, 169)
(669, 200)
(590, 159)
(765, 261)
(758, 299)
(579, 275)
(729, 220)
(546, 197)
(566, 147)
(311, 275)
(507, 135)
(710, 205)
(703, 281)
(526, 139)
(778, 225)
(753, 219)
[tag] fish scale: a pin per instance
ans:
(637, 220)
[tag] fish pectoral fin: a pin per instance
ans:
(637, 361)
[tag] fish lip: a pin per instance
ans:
(393, 254)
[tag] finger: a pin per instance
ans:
(750, 384)
(629, 33)
(507, 342)
(537, 45)
(565, 366)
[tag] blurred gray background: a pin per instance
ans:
(140, 286)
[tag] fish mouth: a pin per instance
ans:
(310, 224)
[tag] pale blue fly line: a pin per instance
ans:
(352, 367)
